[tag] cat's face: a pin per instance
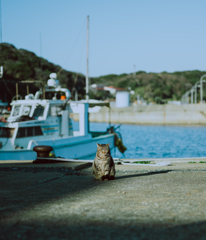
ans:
(103, 150)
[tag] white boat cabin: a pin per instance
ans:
(40, 120)
(34, 119)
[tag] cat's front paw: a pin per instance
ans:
(111, 177)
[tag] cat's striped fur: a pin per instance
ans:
(103, 167)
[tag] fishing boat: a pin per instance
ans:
(45, 119)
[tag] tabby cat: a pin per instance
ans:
(103, 167)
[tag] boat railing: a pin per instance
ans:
(30, 144)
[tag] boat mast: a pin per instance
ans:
(87, 76)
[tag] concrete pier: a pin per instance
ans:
(190, 114)
(55, 201)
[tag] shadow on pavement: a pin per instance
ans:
(142, 174)
(22, 191)
(103, 230)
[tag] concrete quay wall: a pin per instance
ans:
(191, 114)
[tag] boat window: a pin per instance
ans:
(38, 131)
(16, 110)
(39, 111)
(6, 132)
(29, 132)
(21, 133)
(52, 94)
(26, 110)
(60, 94)
(49, 95)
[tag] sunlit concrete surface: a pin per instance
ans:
(143, 202)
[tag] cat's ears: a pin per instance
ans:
(98, 145)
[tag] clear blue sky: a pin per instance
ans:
(153, 35)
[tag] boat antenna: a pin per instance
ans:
(0, 25)
(1, 63)
(40, 50)
(1, 49)
(87, 76)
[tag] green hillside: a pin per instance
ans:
(155, 87)
(20, 64)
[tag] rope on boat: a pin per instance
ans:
(118, 139)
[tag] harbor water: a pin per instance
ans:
(143, 141)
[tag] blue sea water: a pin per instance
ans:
(159, 141)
